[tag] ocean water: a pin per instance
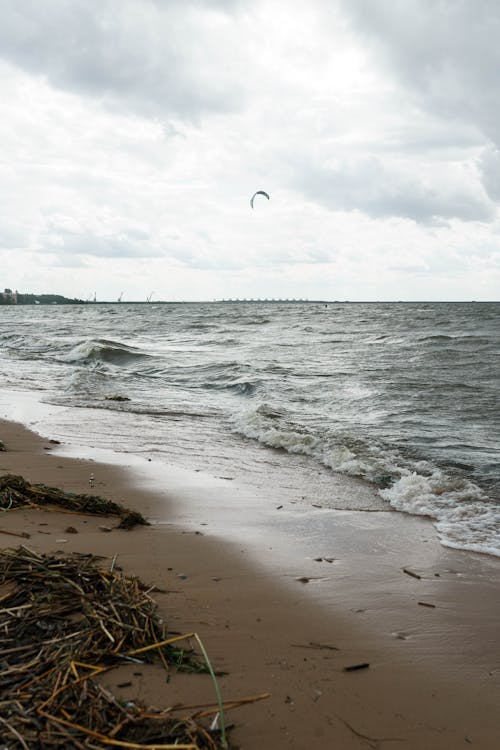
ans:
(402, 396)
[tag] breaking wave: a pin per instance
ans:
(465, 516)
(103, 350)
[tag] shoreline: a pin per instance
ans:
(434, 675)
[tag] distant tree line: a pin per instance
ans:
(8, 297)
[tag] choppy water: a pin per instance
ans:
(405, 396)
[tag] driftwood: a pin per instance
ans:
(64, 620)
(412, 574)
(16, 492)
(355, 667)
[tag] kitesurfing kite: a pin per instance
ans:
(259, 192)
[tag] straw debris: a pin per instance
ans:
(63, 621)
(16, 492)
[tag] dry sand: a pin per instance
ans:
(433, 679)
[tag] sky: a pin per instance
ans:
(133, 134)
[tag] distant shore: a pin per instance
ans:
(38, 300)
(57, 299)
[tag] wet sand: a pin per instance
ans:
(233, 565)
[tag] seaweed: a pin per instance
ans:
(16, 492)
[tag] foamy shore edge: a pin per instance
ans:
(434, 674)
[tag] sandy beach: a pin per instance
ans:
(289, 620)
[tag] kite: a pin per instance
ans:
(259, 192)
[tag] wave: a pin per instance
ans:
(110, 403)
(219, 342)
(437, 337)
(257, 321)
(241, 387)
(103, 350)
(465, 516)
(460, 339)
(246, 387)
(343, 453)
(200, 326)
(26, 347)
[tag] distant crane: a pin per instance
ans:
(120, 297)
(149, 298)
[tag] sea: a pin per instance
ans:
(401, 397)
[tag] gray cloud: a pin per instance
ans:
(156, 58)
(446, 52)
(367, 184)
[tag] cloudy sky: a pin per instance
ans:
(134, 132)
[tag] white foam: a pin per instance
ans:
(465, 517)
(252, 425)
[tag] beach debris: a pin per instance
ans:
(65, 621)
(356, 667)
(314, 645)
(324, 559)
(16, 492)
(113, 563)
(54, 441)
(91, 480)
(2, 446)
(374, 742)
(71, 530)
(107, 529)
(279, 507)
(427, 604)
(116, 398)
(23, 534)
(411, 573)
(307, 579)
